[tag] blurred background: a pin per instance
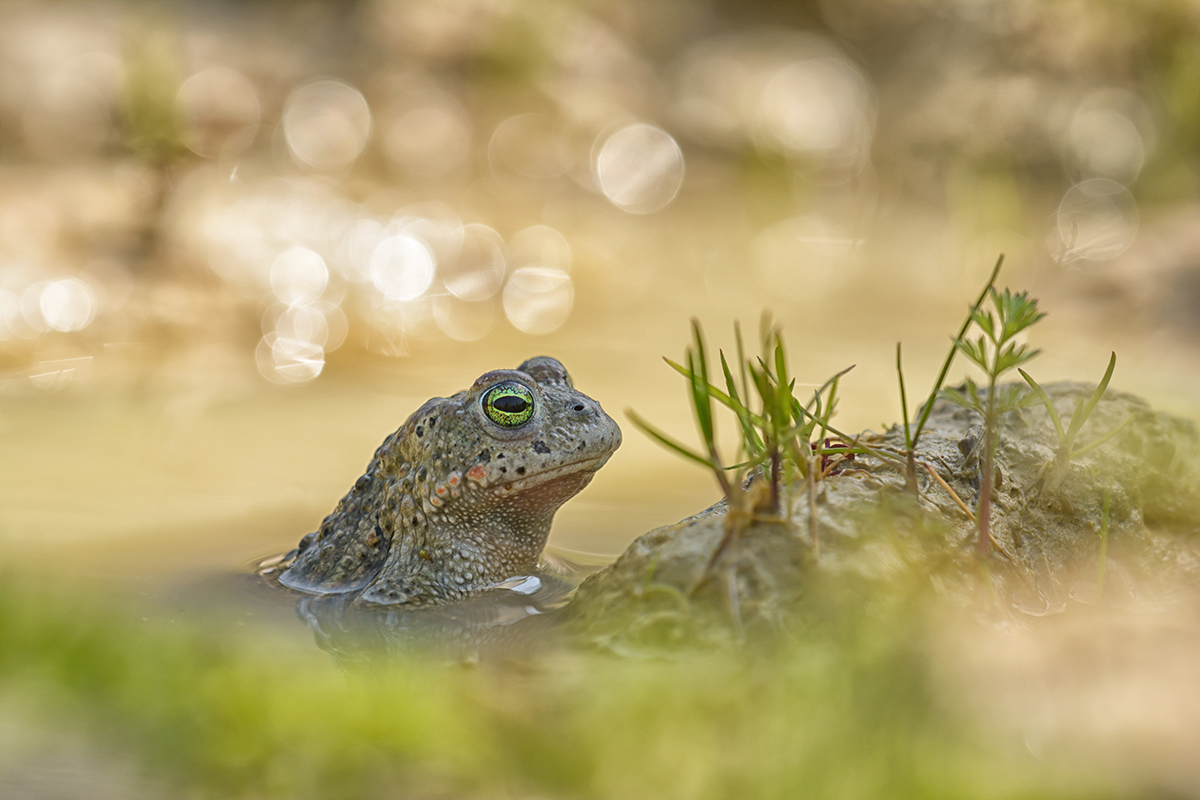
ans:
(241, 241)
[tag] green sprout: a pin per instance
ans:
(783, 447)
(782, 441)
(1054, 472)
(913, 435)
(996, 351)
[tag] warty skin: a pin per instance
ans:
(454, 501)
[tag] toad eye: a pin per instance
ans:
(508, 404)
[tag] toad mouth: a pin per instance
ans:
(588, 465)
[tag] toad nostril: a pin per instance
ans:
(579, 407)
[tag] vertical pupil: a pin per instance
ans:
(510, 404)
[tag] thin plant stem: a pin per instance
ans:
(814, 531)
(985, 491)
(903, 400)
(775, 463)
(953, 494)
(910, 467)
(1087, 448)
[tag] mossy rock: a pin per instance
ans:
(869, 533)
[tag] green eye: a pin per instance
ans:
(508, 404)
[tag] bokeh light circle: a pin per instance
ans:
(538, 299)
(1097, 220)
(478, 270)
(321, 323)
(298, 275)
(68, 304)
(640, 168)
(1105, 143)
(284, 360)
(819, 107)
(402, 267)
(326, 124)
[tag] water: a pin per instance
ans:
(225, 277)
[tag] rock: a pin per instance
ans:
(667, 588)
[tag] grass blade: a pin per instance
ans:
(1058, 426)
(666, 441)
(882, 456)
(826, 385)
(830, 406)
(701, 402)
(1080, 416)
(730, 384)
(741, 355)
(713, 392)
(766, 328)
(903, 400)
(781, 376)
(750, 440)
(1092, 446)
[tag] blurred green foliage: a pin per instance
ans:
(154, 72)
(849, 710)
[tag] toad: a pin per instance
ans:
(461, 497)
